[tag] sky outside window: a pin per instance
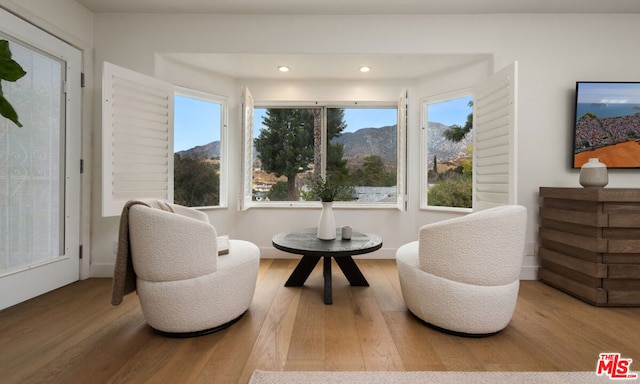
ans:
(450, 112)
(196, 122)
(356, 118)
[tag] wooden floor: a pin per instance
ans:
(74, 335)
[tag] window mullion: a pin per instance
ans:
(323, 147)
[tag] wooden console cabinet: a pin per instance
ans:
(590, 243)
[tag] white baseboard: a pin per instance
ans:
(101, 270)
(529, 272)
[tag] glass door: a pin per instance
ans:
(39, 185)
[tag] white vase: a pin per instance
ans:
(593, 174)
(327, 224)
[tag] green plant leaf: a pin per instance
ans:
(7, 111)
(10, 70)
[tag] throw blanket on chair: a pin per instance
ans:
(124, 277)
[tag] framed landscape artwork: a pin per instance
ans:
(607, 124)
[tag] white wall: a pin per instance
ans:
(554, 51)
(65, 19)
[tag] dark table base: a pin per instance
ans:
(346, 264)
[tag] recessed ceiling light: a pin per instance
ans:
(283, 68)
(365, 69)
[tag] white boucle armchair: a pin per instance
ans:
(462, 275)
(186, 288)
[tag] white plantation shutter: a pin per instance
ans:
(402, 153)
(494, 140)
(137, 134)
(247, 153)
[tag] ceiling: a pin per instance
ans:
(327, 67)
(363, 7)
(343, 67)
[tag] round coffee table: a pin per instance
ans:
(306, 243)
